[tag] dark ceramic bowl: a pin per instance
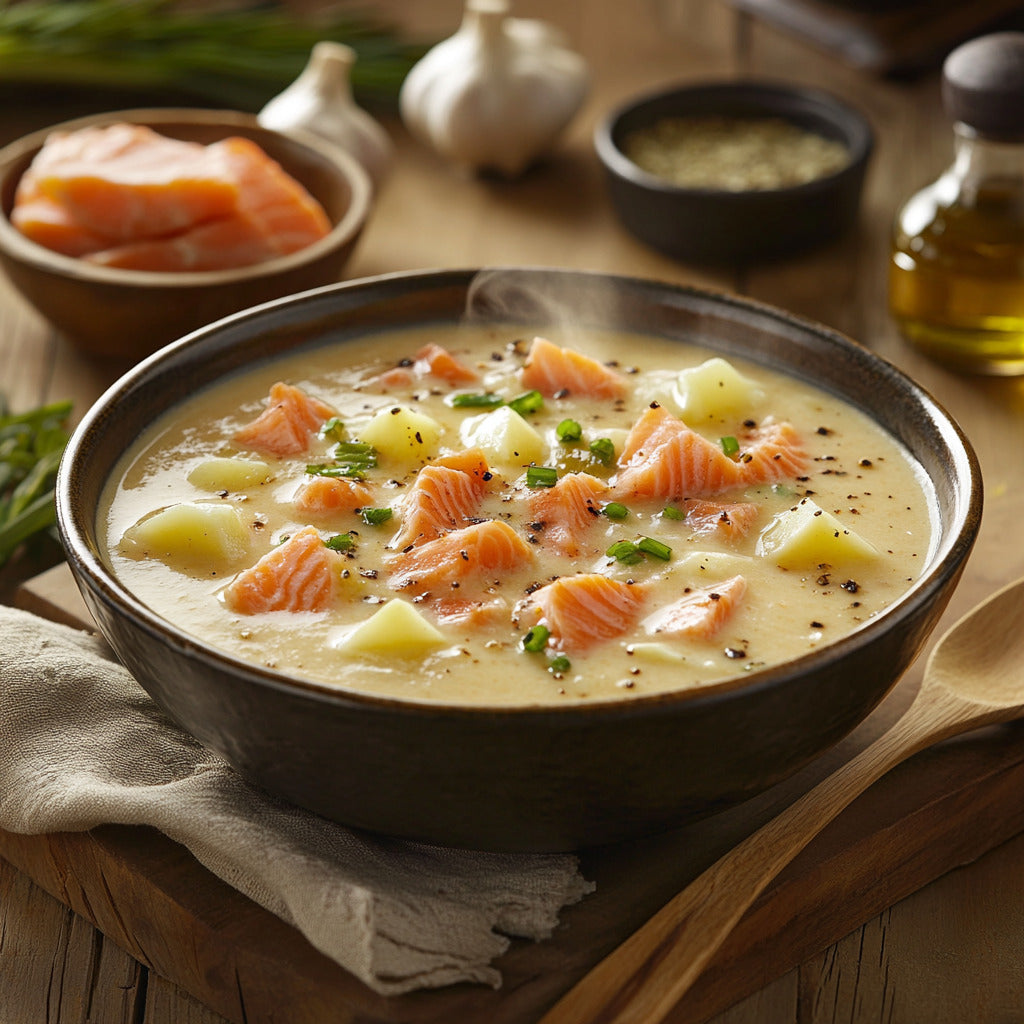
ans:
(721, 226)
(129, 313)
(518, 778)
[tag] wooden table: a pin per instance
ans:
(949, 952)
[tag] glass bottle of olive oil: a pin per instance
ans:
(956, 274)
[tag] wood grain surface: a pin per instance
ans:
(840, 938)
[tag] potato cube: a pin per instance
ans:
(396, 629)
(224, 474)
(505, 437)
(807, 535)
(715, 391)
(189, 535)
(402, 435)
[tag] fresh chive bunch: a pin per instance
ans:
(31, 446)
(235, 55)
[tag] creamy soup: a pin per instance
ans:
(482, 514)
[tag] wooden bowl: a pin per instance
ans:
(520, 777)
(722, 226)
(128, 313)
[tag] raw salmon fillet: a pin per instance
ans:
(563, 514)
(699, 614)
(273, 215)
(445, 496)
(585, 610)
(322, 495)
(49, 224)
(125, 196)
(664, 458)
(287, 424)
(553, 370)
(730, 520)
(300, 575)
(483, 550)
(125, 181)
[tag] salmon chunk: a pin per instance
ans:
(300, 575)
(664, 458)
(288, 423)
(564, 514)
(445, 496)
(699, 614)
(585, 610)
(553, 370)
(483, 551)
(322, 495)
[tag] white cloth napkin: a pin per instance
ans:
(82, 744)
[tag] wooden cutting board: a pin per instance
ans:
(942, 809)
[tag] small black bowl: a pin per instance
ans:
(721, 226)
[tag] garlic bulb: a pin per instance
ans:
(320, 100)
(497, 94)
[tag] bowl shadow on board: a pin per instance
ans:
(723, 227)
(124, 315)
(523, 777)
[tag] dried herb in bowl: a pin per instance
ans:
(739, 154)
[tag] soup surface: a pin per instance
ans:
(481, 514)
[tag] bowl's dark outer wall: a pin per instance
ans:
(552, 778)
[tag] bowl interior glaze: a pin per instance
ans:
(519, 778)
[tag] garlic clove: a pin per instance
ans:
(320, 100)
(497, 94)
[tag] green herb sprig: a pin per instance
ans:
(31, 446)
(238, 56)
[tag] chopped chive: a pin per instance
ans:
(475, 400)
(625, 551)
(350, 472)
(536, 639)
(654, 547)
(615, 510)
(341, 542)
(356, 451)
(333, 429)
(604, 449)
(541, 476)
(528, 401)
(351, 460)
(729, 445)
(671, 512)
(559, 665)
(375, 516)
(569, 430)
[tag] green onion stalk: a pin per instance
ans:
(237, 55)
(31, 446)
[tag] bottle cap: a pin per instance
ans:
(983, 84)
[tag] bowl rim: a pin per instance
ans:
(947, 558)
(861, 141)
(18, 246)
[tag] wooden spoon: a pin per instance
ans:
(974, 677)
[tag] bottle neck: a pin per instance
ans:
(985, 162)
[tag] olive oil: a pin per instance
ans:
(956, 272)
(956, 284)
